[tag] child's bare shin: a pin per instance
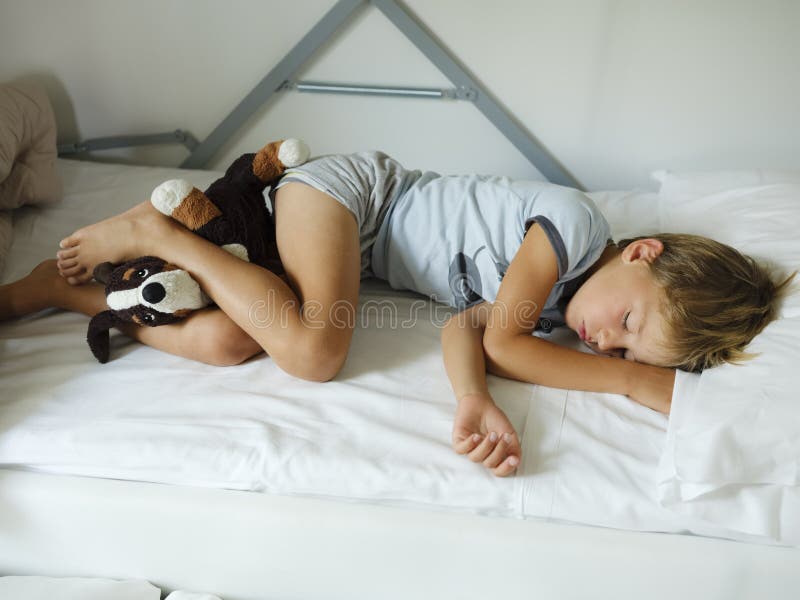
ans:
(88, 299)
(207, 336)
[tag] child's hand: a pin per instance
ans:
(652, 386)
(477, 421)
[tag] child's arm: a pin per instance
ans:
(512, 352)
(477, 416)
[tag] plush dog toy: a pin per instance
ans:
(232, 213)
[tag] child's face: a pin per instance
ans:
(616, 311)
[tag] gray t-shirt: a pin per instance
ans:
(452, 238)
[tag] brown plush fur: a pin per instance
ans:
(266, 165)
(196, 210)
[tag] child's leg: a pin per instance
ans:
(207, 336)
(318, 242)
(100, 242)
(39, 290)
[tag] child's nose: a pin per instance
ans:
(607, 343)
(604, 340)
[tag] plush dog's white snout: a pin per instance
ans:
(168, 196)
(182, 292)
(293, 152)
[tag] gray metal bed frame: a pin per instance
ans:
(280, 78)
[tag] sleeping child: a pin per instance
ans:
(514, 256)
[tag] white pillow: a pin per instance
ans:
(761, 220)
(629, 214)
(732, 455)
(687, 185)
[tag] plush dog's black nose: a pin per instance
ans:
(154, 293)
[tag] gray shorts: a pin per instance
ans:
(366, 184)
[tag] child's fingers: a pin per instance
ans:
(501, 451)
(485, 448)
(507, 467)
(467, 443)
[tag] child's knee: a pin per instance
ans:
(319, 357)
(225, 344)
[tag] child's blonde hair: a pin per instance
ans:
(716, 299)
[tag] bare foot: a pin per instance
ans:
(115, 240)
(40, 289)
(483, 432)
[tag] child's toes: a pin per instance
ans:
(67, 254)
(66, 264)
(73, 271)
(80, 278)
(68, 242)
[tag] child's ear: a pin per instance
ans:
(647, 250)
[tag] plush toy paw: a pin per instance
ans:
(238, 250)
(169, 195)
(293, 152)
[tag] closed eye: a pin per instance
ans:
(625, 321)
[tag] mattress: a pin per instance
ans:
(378, 433)
(265, 477)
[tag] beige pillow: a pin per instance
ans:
(5, 236)
(27, 146)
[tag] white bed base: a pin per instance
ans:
(245, 545)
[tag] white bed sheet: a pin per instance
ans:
(379, 433)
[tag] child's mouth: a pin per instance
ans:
(582, 331)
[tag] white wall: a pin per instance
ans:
(613, 88)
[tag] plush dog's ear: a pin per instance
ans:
(98, 336)
(102, 272)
